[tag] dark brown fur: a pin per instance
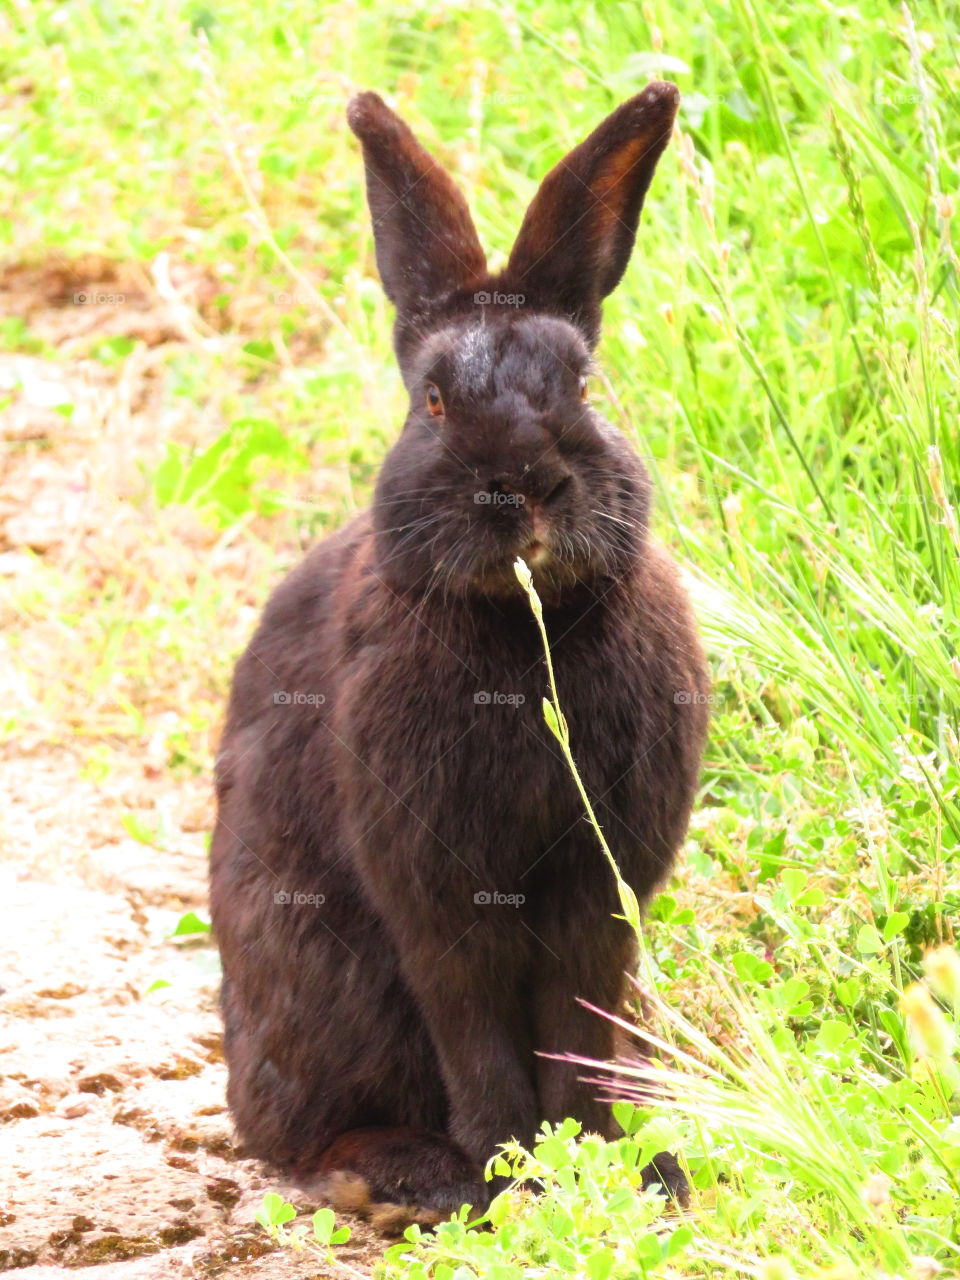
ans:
(392, 1026)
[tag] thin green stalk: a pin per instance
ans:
(557, 724)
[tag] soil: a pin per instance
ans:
(117, 1153)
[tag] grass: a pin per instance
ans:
(783, 350)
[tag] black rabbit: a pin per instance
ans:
(407, 898)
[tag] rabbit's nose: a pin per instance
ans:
(555, 489)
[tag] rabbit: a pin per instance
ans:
(409, 904)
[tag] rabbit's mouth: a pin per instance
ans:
(536, 548)
(555, 566)
(535, 552)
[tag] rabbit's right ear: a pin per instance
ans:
(425, 239)
(576, 240)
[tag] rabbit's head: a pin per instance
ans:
(502, 454)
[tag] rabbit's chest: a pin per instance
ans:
(462, 751)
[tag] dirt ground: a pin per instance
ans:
(117, 1154)
(116, 1149)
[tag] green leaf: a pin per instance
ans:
(662, 907)
(499, 1210)
(897, 921)
(323, 1225)
(869, 941)
(568, 1128)
(190, 924)
(553, 723)
(832, 1034)
(649, 1249)
(678, 1241)
(113, 350)
(628, 1117)
(620, 1201)
(629, 1153)
(275, 1211)
(599, 1265)
(849, 991)
(892, 1023)
(553, 1153)
(794, 881)
(227, 476)
(751, 968)
(794, 990)
(278, 164)
(811, 898)
(136, 827)
(629, 904)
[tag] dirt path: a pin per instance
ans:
(116, 1149)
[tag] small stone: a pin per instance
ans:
(76, 1104)
(101, 1083)
(23, 1109)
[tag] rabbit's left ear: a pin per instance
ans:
(577, 236)
(425, 238)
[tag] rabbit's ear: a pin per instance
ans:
(578, 233)
(425, 239)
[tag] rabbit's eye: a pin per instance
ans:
(583, 390)
(434, 401)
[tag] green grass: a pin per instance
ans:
(783, 350)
